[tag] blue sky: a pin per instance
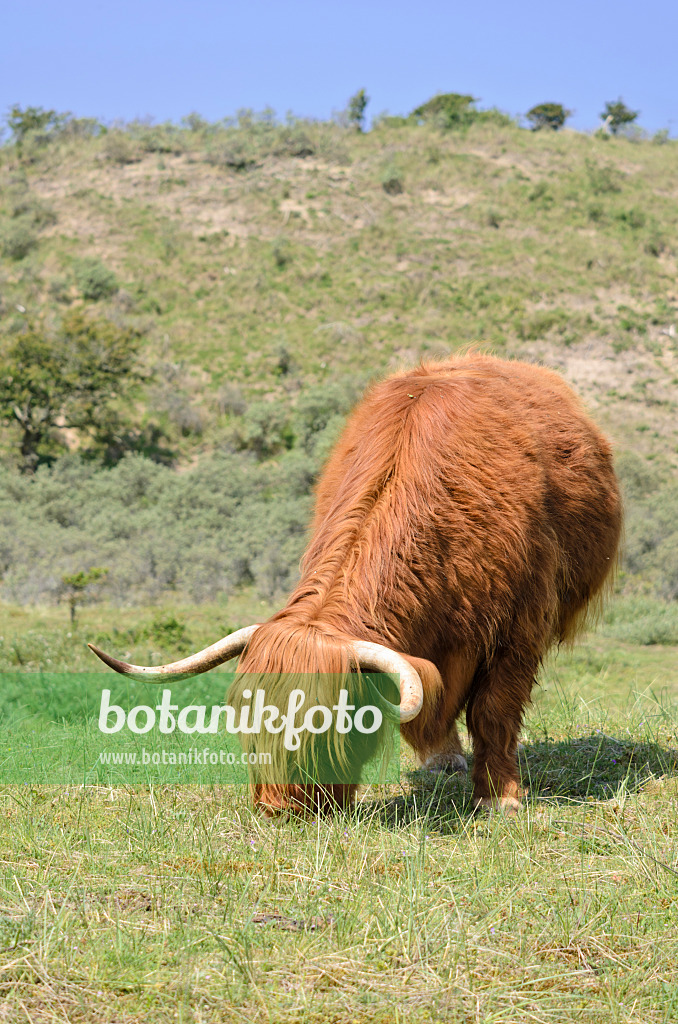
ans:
(165, 58)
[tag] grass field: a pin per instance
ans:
(179, 903)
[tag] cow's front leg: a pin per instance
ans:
(449, 757)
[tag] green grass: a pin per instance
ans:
(179, 903)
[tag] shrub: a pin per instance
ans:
(495, 117)
(355, 112)
(602, 178)
(188, 418)
(596, 213)
(59, 289)
(22, 121)
(547, 115)
(94, 280)
(293, 140)
(18, 238)
(635, 217)
(387, 120)
(655, 244)
(32, 210)
(230, 400)
(168, 631)
(82, 127)
(617, 116)
(157, 138)
(265, 430)
(238, 154)
(392, 180)
(120, 149)
(195, 122)
(33, 125)
(321, 407)
(540, 194)
(447, 110)
(281, 250)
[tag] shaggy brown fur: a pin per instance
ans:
(467, 517)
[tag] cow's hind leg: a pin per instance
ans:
(494, 715)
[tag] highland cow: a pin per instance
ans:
(465, 522)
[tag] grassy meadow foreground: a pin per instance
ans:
(126, 904)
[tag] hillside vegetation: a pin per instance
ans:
(269, 271)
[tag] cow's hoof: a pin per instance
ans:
(507, 805)
(446, 763)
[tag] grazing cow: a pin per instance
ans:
(465, 522)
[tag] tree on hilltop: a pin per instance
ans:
(355, 112)
(547, 115)
(448, 109)
(617, 116)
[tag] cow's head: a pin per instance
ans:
(273, 789)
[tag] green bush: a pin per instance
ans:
(32, 210)
(392, 180)
(32, 128)
(355, 111)
(95, 280)
(321, 409)
(71, 376)
(655, 243)
(230, 400)
(188, 418)
(281, 251)
(541, 195)
(238, 154)
(602, 178)
(635, 218)
(156, 138)
(119, 148)
(294, 140)
(447, 110)
(547, 115)
(18, 238)
(617, 116)
(596, 213)
(265, 429)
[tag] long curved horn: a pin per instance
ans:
(376, 658)
(369, 656)
(223, 650)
